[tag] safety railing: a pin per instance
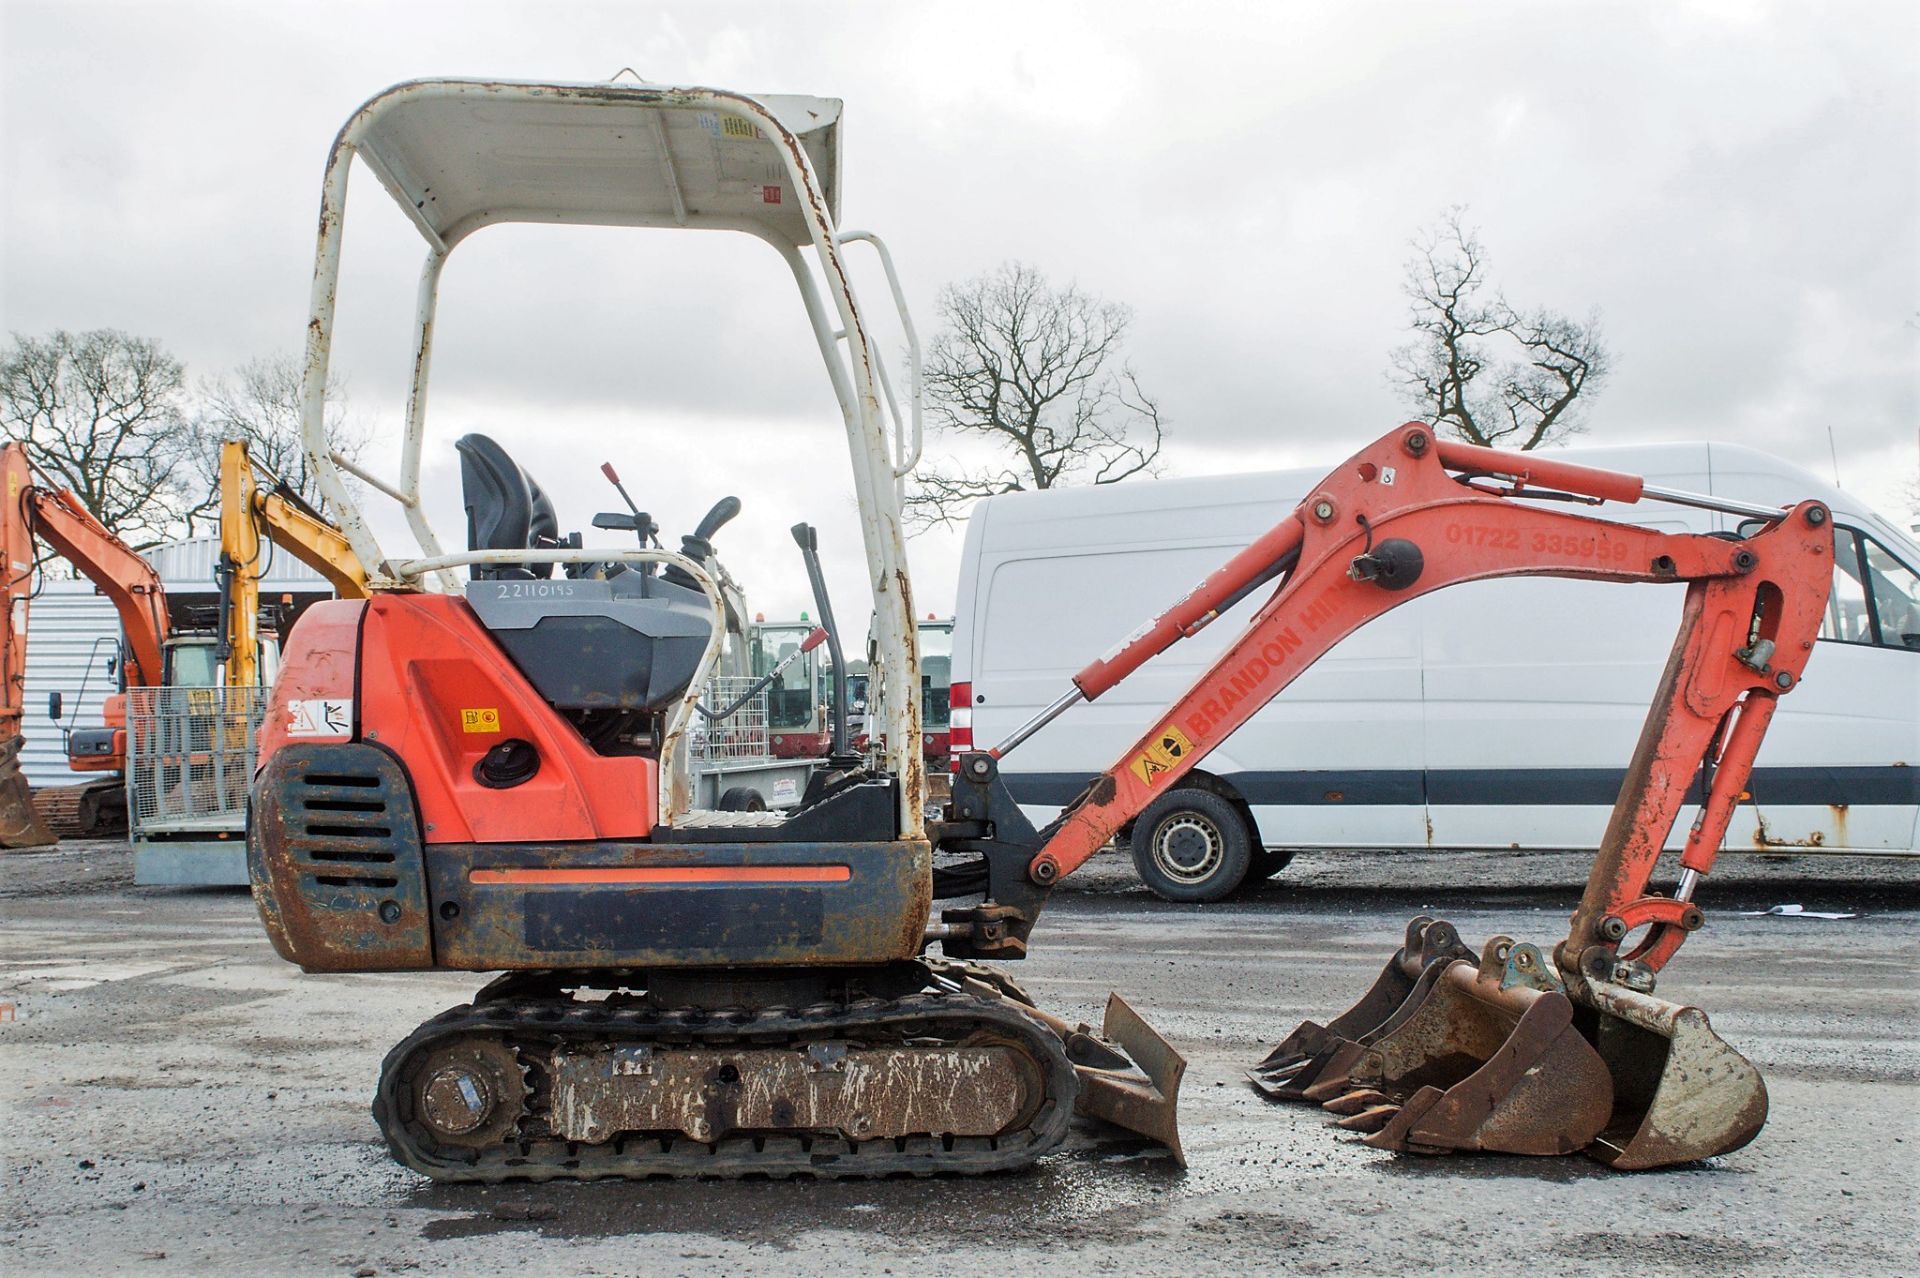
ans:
(190, 755)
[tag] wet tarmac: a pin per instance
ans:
(179, 1101)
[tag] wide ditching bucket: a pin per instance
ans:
(1501, 1056)
(1680, 1093)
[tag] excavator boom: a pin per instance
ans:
(1407, 516)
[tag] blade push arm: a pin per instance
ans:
(1405, 517)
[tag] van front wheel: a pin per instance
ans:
(1191, 846)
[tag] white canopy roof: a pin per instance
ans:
(461, 154)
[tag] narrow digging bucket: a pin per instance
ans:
(1144, 1098)
(1478, 1059)
(1302, 1057)
(20, 825)
(1680, 1092)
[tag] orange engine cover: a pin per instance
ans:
(418, 675)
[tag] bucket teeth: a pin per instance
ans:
(20, 825)
(1304, 1057)
(1355, 1101)
(1370, 1119)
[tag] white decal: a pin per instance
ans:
(785, 790)
(1386, 476)
(320, 717)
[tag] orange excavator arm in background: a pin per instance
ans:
(116, 569)
(34, 511)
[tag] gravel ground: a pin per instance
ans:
(179, 1101)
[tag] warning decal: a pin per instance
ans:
(1169, 747)
(482, 720)
(320, 717)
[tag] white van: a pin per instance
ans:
(1496, 714)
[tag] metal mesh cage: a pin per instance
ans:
(741, 735)
(190, 755)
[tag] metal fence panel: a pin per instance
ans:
(190, 755)
(742, 735)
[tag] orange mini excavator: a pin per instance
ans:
(47, 513)
(491, 775)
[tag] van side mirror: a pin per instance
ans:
(54, 707)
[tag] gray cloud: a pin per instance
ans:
(1734, 185)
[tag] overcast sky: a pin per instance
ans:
(1732, 184)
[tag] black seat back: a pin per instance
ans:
(506, 510)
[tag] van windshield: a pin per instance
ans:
(1876, 597)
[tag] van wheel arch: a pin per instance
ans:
(1195, 844)
(1264, 862)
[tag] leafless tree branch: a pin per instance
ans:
(261, 404)
(100, 413)
(1025, 366)
(1479, 368)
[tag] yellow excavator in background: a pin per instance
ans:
(253, 523)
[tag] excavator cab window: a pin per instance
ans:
(936, 677)
(193, 665)
(791, 701)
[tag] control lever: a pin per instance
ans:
(639, 522)
(808, 540)
(698, 544)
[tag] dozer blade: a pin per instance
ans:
(1302, 1057)
(1485, 1058)
(20, 825)
(1680, 1092)
(1145, 1099)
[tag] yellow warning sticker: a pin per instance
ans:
(1167, 749)
(484, 720)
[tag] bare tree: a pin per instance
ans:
(1479, 367)
(260, 403)
(1028, 368)
(100, 413)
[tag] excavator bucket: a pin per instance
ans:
(1139, 1091)
(1299, 1059)
(20, 825)
(1680, 1092)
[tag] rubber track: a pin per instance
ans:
(536, 1026)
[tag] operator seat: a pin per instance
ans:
(506, 509)
(630, 643)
